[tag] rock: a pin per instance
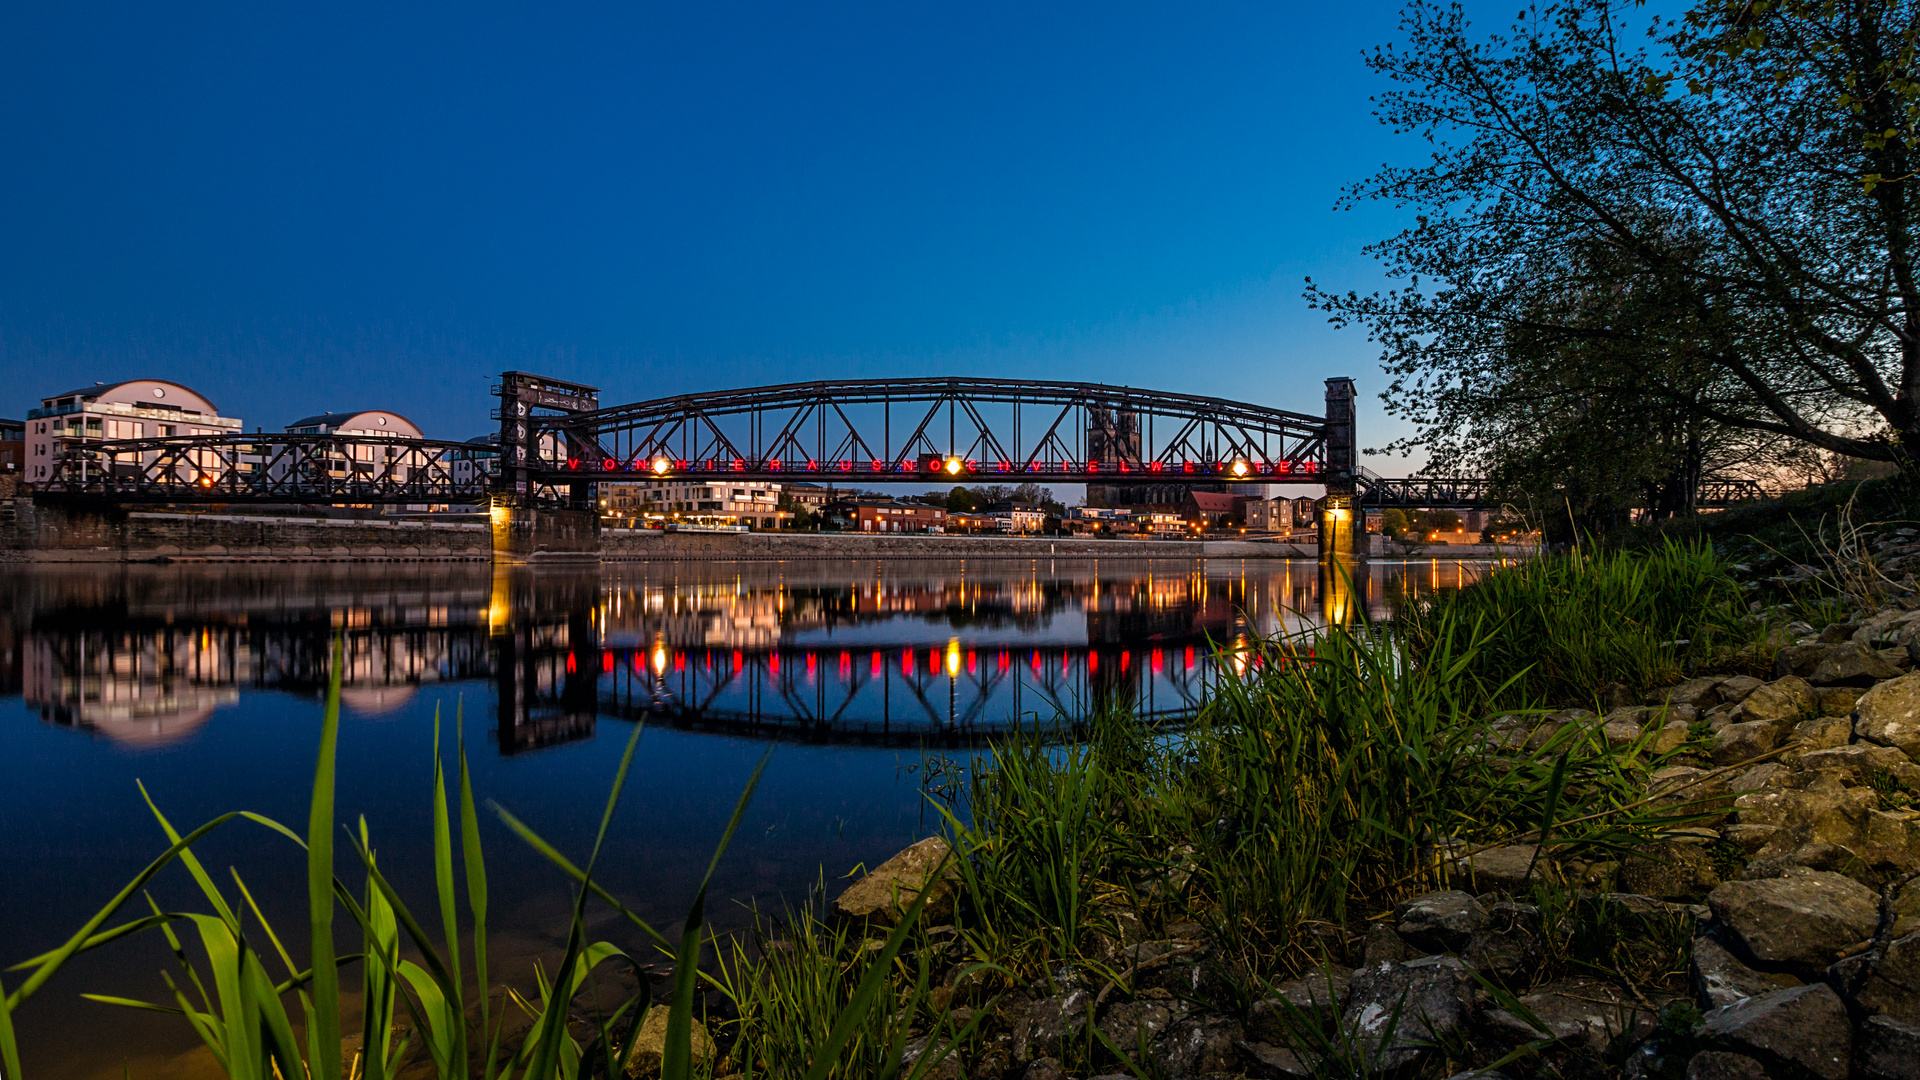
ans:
(1694, 791)
(1670, 737)
(1277, 1062)
(1043, 1030)
(1838, 700)
(1695, 693)
(947, 1067)
(1047, 1068)
(1889, 714)
(1382, 945)
(1854, 765)
(1317, 997)
(1735, 690)
(1892, 984)
(1422, 999)
(1501, 869)
(1804, 1030)
(1621, 727)
(1743, 742)
(1798, 660)
(1131, 1023)
(993, 1060)
(1720, 1065)
(1749, 838)
(1668, 870)
(890, 888)
(650, 1043)
(1719, 978)
(1440, 921)
(1782, 701)
(1197, 1045)
(1822, 732)
(1906, 910)
(1798, 921)
(1887, 1049)
(1852, 664)
(1582, 1014)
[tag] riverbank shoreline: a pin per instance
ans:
(37, 536)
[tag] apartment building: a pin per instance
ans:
(134, 409)
(733, 502)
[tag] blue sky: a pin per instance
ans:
(299, 207)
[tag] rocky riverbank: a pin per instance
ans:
(1768, 924)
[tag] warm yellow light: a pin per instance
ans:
(953, 658)
(954, 465)
(1239, 468)
(661, 465)
(659, 660)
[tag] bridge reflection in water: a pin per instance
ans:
(889, 653)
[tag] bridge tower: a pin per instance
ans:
(1340, 526)
(524, 524)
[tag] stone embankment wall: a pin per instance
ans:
(55, 534)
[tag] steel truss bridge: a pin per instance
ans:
(556, 443)
(916, 430)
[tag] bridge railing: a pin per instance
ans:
(350, 469)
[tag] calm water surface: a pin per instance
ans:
(203, 683)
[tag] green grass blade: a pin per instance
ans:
(324, 1042)
(443, 884)
(867, 994)
(9, 1047)
(676, 1056)
(474, 862)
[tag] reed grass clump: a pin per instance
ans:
(1561, 628)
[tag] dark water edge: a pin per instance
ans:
(203, 683)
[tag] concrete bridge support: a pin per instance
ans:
(543, 534)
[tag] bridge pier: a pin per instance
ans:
(541, 534)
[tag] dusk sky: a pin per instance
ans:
(296, 208)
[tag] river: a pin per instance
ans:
(203, 683)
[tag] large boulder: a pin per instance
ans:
(1721, 1065)
(1802, 1031)
(1440, 921)
(884, 895)
(1735, 690)
(1398, 1011)
(1853, 765)
(1852, 664)
(1799, 921)
(1889, 714)
(1799, 660)
(1130, 1023)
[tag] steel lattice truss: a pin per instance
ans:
(355, 469)
(1473, 493)
(906, 429)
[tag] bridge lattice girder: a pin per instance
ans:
(889, 429)
(324, 469)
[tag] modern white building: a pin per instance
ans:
(735, 502)
(366, 422)
(133, 409)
